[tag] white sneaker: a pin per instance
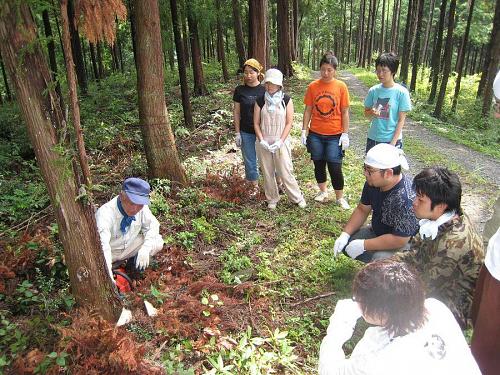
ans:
(343, 203)
(302, 204)
(272, 206)
(321, 197)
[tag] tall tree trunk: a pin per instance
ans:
(382, 32)
(51, 51)
(283, 41)
(447, 59)
(93, 59)
(131, 16)
(220, 42)
(427, 32)
(181, 65)
(198, 77)
(5, 81)
(257, 30)
(436, 53)
(405, 58)
(295, 27)
(159, 142)
(461, 56)
(185, 38)
(90, 282)
(100, 63)
(416, 49)
(76, 47)
(395, 25)
(492, 67)
(361, 33)
(238, 33)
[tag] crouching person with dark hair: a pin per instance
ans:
(448, 252)
(412, 335)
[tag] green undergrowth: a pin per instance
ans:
(465, 126)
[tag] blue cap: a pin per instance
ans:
(137, 190)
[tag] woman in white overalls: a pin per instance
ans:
(273, 119)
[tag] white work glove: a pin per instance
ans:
(342, 322)
(265, 145)
(303, 138)
(344, 141)
(355, 248)
(340, 243)
(238, 139)
(276, 146)
(142, 261)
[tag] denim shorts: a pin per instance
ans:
(371, 143)
(324, 147)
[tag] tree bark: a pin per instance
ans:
(185, 37)
(100, 64)
(131, 17)
(238, 33)
(407, 41)
(350, 33)
(436, 53)
(382, 32)
(39, 104)
(427, 32)
(5, 81)
(159, 142)
(395, 25)
(257, 31)
(76, 47)
(461, 57)
(447, 59)
(94, 61)
(198, 77)
(283, 41)
(51, 51)
(220, 42)
(181, 65)
(494, 52)
(416, 50)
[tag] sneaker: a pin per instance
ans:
(321, 197)
(343, 203)
(271, 206)
(302, 204)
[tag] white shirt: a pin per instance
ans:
(492, 257)
(438, 348)
(115, 244)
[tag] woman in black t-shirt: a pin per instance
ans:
(244, 99)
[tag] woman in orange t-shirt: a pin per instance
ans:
(325, 128)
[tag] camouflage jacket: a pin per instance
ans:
(449, 264)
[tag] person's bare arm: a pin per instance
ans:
(358, 218)
(345, 120)
(256, 122)
(399, 127)
(307, 117)
(236, 116)
(288, 121)
(385, 242)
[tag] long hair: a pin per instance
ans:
(392, 292)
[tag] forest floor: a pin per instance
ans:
(237, 285)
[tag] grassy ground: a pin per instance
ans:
(238, 286)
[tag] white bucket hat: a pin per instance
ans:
(274, 76)
(384, 156)
(496, 86)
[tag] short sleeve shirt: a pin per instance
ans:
(390, 101)
(246, 95)
(327, 100)
(392, 210)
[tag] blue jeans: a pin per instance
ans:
(325, 147)
(249, 156)
(371, 143)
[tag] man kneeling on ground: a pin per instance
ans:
(447, 251)
(388, 195)
(127, 228)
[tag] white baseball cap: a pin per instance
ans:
(384, 156)
(274, 76)
(496, 86)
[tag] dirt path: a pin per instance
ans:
(475, 201)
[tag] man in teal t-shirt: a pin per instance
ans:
(386, 104)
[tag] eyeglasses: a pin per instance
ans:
(370, 170)
(382, 71)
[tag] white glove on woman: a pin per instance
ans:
(142, 261)
(344, 141)
(303, 138)
(276, 146)
(265, 145)
(238, 139)
(340, 243)
(355, 248)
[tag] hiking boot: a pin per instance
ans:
(321, 197)
(343, 203)
(302, 204)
